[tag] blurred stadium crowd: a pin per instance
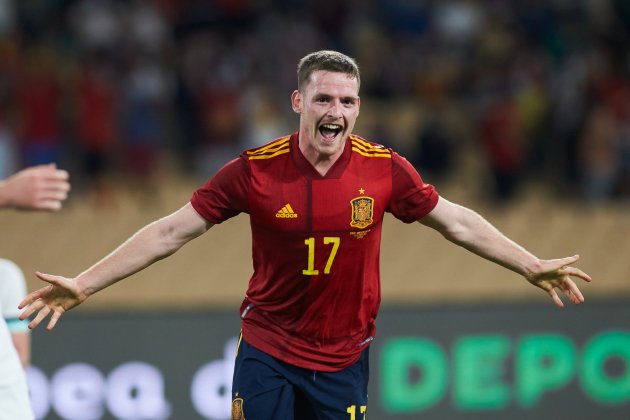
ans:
(124, 89)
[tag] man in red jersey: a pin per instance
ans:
(316, 201)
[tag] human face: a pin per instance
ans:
(328, 106)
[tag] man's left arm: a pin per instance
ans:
(469, 230)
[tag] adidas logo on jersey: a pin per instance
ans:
(286, 212)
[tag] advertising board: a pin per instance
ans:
(483, 361)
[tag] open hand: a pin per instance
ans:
(61, 295)
(556, 274)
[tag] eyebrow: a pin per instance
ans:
(327, 96)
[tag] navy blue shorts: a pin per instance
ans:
(265, 388)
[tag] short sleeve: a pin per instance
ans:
(412, 199)
(225, 195)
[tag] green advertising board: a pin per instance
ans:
(485, 362)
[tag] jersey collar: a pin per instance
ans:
(309, 171)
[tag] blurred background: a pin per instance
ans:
(520, 110)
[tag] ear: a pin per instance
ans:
(296, 102)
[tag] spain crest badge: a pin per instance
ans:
(362, 212)
(237, 409)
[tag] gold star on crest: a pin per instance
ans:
(361, 191)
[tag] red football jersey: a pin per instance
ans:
(315, 291)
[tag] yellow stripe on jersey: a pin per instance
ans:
(278, 143)
(361, 141)
(381, 155)
(367, 149)
(276, 148)
(279, 152)
(358, 141)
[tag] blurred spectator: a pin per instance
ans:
(7, 17)
(143, 107)
(502, 135)
(96, 122)
(98, 24)
(435, 149)
(263, 119)
(8, 153)
(535, 78)
(39, 99)
(221, 124)
(605, 136)
(598, 155)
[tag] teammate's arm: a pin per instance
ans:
(22, 343)
(468, 229)
(152, 243)
(42, 187)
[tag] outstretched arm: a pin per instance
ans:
(152, 243)
(468, 229)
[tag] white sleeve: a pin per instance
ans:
(12, 291)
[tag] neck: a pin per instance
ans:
(323, 166)
(322, 162)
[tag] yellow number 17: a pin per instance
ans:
(310, 242)
(352, 410)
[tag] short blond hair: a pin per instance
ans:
(326, 60)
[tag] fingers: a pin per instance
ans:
(43, 313)
(55, 185)
(51, 195)
(53, 205)
(34, 306)
(569, 289)
(56, 190)
(576, 272)
(44, 187)
(569, 260)
(42, 310)
(572, 292)
(49, 171)
(57, 175)
(53, 320)
(52, 299)
(34, 301)
(575, 293)
(558, 274)
(30, 298)
(556, 298)
(49, 278)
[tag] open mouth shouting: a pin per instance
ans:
(330, 131)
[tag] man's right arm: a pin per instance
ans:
(152, 243)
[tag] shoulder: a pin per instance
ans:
(368, 148)
(277, 147)
(241, 165)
